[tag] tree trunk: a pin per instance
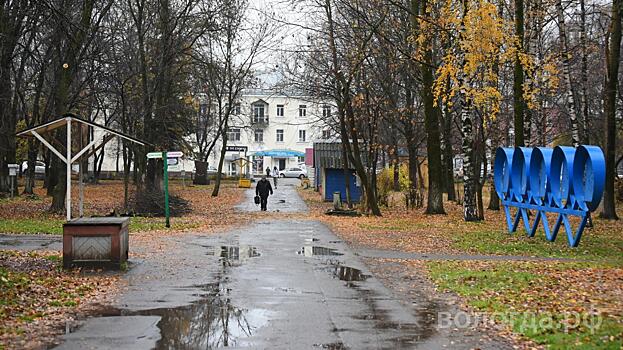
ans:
(494, 200)
(518, 77)
(396, 168)
(217, 183)
(431, 118)
(469, 181)
(67, 70)
(566, 72)
(610, 106)
(32, 158)
(347, 175)
(448, 155)
(584, 102)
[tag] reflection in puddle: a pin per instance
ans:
(210, 322)
(313, 250)
(332, 346)
(231, 254)
(349, 274)
(407, 334)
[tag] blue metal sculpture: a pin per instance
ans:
(564, 180)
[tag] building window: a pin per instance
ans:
(233, 134)
(302, 111)
(326, 111)
(301, 159)
(280, 110)
(326, 134)
(236, 110)
(258, 113)
(279, 135)
(259, 135)
(301, 135)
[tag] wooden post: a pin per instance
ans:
(68, 164)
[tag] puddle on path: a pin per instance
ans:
(211, 322)
(11, 242)
(349, 274)
(312, 239)
(315, 251)
(233, 254)
(408, 334)
(332, 346)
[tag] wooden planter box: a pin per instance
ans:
(95, 242)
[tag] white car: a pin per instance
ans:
(39, 168)
(293, 172)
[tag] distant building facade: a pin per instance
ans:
(275, 129)
(267, 129)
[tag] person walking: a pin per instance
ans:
(267, 171)
(275, 176)
(263, 189)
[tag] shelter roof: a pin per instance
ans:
(63, 120)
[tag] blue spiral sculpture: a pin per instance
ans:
(563, 180)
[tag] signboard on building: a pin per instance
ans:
(236, 148)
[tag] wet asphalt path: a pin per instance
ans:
(275, 284)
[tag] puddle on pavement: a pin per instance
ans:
(211, 322)
(312, 239)
(407, 334)
(349, 274)
(12, 242)
(315, 251)
(332, 346)
(233, 254)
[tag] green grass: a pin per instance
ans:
(55, 226)
(488, 290)
(465, 282)
(138, 224)
(598, 248)
(40, 225)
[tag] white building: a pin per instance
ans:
(268, 129)
(275, 129)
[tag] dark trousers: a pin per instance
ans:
(263, 202)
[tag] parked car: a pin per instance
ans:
(293, 172)
(39, 168)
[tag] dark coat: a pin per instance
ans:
(263, 188)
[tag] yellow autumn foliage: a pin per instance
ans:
(486, 43)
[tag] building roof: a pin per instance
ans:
(328, 155)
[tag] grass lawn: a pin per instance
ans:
(48, 225)
(540, 301)
(53, 225)
(599, 244)
(528, 298)
(30, 215)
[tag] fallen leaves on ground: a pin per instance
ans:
(553, 303)
(38, 298)
(590, 286)
(414, 231)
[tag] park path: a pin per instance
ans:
(275, 283)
